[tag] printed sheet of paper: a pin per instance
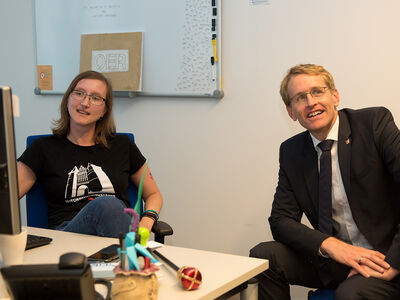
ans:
(117, 55)
(257, 2)
(45, 77)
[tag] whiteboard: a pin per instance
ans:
(177, 41)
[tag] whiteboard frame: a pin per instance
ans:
(216, 92)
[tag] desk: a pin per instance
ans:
(221, 272)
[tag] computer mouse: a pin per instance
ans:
(72, 260)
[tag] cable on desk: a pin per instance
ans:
(107, 283)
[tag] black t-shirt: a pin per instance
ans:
(72, 175)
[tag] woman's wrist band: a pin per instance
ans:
(151, 214)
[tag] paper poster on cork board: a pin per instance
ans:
(117, 55)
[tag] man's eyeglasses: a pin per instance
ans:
(81, 95)
(316, 92)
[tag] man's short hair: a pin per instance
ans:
(308, 69)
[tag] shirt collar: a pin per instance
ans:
(332, 135)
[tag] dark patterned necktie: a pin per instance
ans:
(325, 188)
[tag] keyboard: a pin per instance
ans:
(34, 241)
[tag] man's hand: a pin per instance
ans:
(387, 275)
(355, 257)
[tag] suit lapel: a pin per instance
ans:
(310, 167)
(344, 150)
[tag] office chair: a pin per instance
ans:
(321, 294)
(36, 206)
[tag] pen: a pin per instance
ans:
(124, 261)
(214, 43)
(213, 67)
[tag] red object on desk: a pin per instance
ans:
(190, 277)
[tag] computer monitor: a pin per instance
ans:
(10, 220)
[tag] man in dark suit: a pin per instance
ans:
(359, 254)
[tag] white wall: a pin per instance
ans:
(216, 162)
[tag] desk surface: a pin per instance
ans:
(221, 272)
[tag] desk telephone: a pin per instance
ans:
(71, 278)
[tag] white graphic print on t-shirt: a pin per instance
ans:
(84, 182)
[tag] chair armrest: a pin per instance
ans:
(161, 229)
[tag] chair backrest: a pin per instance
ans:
(36, 205)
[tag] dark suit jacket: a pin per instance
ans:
(369, 159)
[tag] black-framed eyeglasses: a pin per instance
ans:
(316, 92)
(81, 95)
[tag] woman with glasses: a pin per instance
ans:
(85, 168)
